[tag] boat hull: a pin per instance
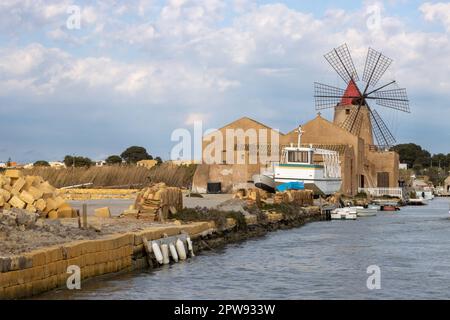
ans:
(264, 182)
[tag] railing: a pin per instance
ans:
(379, 192)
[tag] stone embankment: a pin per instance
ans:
(24, 273)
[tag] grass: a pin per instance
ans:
(117, 176)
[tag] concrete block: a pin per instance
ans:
(16, 202)
(65, 213)
(40, 205)
(12, 173)
(102, 212)
(19, 184)
(5, 194)
(60, 202)
(51, 205)
(30, 208)
(53, 214)
(35, 192)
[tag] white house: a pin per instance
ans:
(100, 163)
(57, 164)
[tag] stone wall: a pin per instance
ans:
(45, 269)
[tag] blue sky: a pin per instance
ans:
(137, 70)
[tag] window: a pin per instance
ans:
(347, 111)
(383, 179)
(298, 156)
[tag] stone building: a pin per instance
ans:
(362, 164)
(447, 186)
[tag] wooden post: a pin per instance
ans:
(79, 219)
(85, 224)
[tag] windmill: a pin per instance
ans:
(352, 111)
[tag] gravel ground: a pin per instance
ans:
(21, 232)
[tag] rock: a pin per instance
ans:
(25, 219)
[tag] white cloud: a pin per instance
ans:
(439, 12)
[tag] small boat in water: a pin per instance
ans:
(346, 213)
(417, 202)
(365, 212)
(389, 207)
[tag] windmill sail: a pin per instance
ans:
(396, 99)
(376, 65)
(341, 61)
(327, 96)
(353, 122)
(381, 132)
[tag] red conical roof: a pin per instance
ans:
(351, 91)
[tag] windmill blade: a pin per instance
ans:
(381, 132)
(353, 122)
(376, 65)
(395, 99)
(327, 96)
(341, 61)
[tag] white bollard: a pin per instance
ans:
(181, 250)
(173, 252)
(165, 253)
(190, 247)
(157, 252)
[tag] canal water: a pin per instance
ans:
(322, 260)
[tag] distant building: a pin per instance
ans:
(100, 163)
(147, 163)
(57, 164)
(181, 162)
(28, 166)
(447, 185)
(421, 183)
(403, 166)
(363, 165)
(2, 165)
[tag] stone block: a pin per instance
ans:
(102, 212)
(16, 202)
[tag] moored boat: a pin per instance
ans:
(346, 213)
(318, 169)
(389, 207)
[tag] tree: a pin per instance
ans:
(159, 160)
(114, 159)
(71, 161)
(134, 154)
(41, 163)
(413, 155)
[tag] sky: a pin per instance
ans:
(93, 78)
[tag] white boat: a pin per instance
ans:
(365, 212)
(417, 202)
(318, 169)
(346, 213)
(425, 194)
